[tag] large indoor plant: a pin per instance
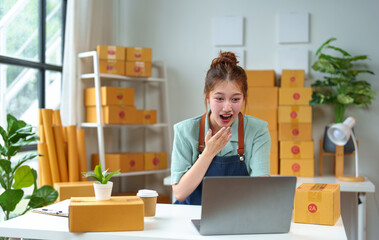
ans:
(14, 175)
(341, 85)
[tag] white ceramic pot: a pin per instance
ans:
(103, 191)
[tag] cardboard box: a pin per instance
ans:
(155, 161)
(260, 78)
(292, 149)
(66, 190)
(112, 67)
(111, 52)
(295, 114)
(110, 96)
(262, 97)
(149, 116)
(297, 167)
(274, 163)
(138, 54)
(295, 131)
(292, 78)
(86, 214)
(295, 96)
(274, 141)
(115, 115)
(317, 203)
(125, 162)
(138, 69)
(270, 115)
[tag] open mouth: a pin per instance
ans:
(226, 118)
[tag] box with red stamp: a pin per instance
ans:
(297, 167)
(292, 78)
(296, 149)
(295, 96)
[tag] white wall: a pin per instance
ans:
(180, 33)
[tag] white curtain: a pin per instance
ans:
(88, 23)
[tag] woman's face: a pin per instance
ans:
(225, 101)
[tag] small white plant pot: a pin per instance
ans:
(103, 191)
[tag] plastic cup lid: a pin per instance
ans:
(147, 193)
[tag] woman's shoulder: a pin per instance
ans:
(189, 126)
(253, 122)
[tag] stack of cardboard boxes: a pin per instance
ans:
(295, 126)
(131, 162)
(262, 102)
(128, 61)
(117, 106)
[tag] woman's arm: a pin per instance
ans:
(193, 177)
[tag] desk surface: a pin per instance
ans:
(170, 222)
(366, 186)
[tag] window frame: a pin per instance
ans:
(41, 66)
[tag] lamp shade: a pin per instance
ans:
(339, 133)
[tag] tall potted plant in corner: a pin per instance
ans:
(342, 84)
(14, 175)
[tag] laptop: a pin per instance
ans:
(246, 205)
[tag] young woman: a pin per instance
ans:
(222, 142)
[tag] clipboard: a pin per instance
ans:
(57, 209)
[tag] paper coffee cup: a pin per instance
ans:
(149, 198)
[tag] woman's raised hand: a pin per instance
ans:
(214, 144)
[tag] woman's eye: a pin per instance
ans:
(235, 99)
(219, 99)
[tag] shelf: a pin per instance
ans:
(94, 125)
(140, 172)
(121, 77)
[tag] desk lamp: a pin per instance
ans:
(339, 134)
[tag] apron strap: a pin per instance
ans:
(241, 134)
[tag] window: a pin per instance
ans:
(31, 57)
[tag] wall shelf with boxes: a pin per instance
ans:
(105, 87)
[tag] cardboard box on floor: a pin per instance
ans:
(317, 203)
(270, 115)
(292, 78)
(295, 131)
(86, 214)
(260, 78)
(262, 97)
(295, 114)
(296, 149)
(297, 167)
(295, 96)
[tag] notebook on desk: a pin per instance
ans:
(246, 205)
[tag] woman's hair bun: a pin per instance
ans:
(227, 58)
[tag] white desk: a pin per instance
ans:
(171, 222)
(360, 188)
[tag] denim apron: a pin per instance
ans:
(220, 166)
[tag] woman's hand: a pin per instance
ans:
(214, 144)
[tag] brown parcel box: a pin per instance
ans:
(297, 167)
(295, 114)
(274, 141)
(66, 190)
(115, 115)
(274, 163)
(125, 162)
(295, 131)
(111, 52)
(300, 149)
(154, 161)
(269, 115)
(317, 203)
(292, 78)
(260, 78)
(262, 97)
(138, 54)
(86, 214)
(138, 69)
(112, 67)
(110, 96)
(295, 96)
(148, 116)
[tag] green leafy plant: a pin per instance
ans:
(341, 85)
(101, 177)
(14, 176)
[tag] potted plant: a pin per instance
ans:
(14, 175)
(342, 84)
(103, 187)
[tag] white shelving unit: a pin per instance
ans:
(98, 78)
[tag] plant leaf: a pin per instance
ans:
(2, 180)
(324, 44)
(346, 54)
(6, 165)
(44, 195)
(25, 158)
(10, 198)
(23, 177)
(98, 172)
(107, 177)
(4, 135)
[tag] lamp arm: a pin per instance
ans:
(356, 153)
